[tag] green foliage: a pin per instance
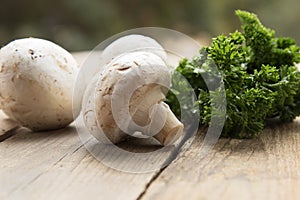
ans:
(265, 47)
(259, 74)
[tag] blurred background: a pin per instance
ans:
(81, 24)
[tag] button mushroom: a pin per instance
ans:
(128, 96)
(130, 43)
(36, 82)
(125, 44)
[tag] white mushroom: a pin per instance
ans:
(128, 97)
(96, 64)
(132, 43)
(36, 83)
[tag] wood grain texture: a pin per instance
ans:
(55, 165)
(264, 168)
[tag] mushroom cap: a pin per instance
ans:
(132, 43)
(36, 83)
(120, 89)
(125, 44)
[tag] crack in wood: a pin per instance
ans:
(8, 127)
(9, 133)
(152, 180)
(180, 149)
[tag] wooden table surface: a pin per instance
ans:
(56, 165)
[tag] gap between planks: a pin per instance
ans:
(8, 127)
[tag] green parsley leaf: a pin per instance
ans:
(259, 74)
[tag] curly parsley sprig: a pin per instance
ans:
(259, 74)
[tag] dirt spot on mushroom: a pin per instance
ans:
(31, 52)
(137, 64)
(15, 68)
(13, 78)
(123, 68)
(104, 78)
(62, 66)
(109, 90)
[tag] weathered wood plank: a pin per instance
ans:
(7, 127)
(55, 165)
(264, 168)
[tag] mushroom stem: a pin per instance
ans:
(144, 103)
(172, 129)
(154, 112)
